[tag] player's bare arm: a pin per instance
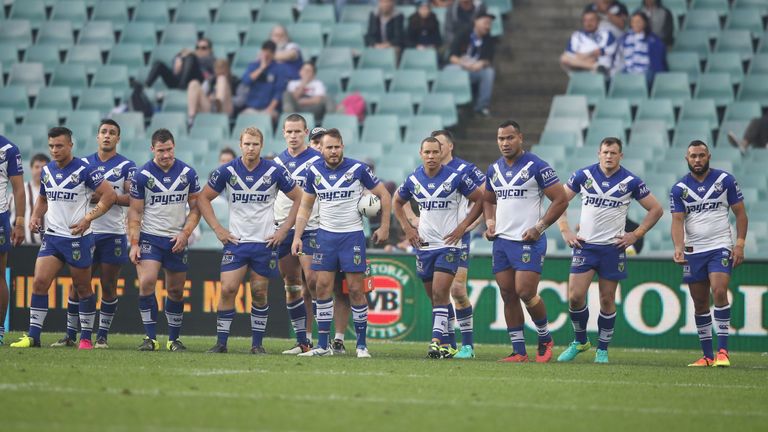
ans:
(654, 213)
(571, 238)
(295, 195)
(20, 198)
(474, 214)
(489, 213)
(181, 239)
(411, 233)
(558, 204)
(206, 211)
(135, 213)
(305, 210)
(38, 212)
(382, 233)
(740, 211)
(678, 237)
(106, 201)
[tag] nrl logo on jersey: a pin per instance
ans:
(75, 178)
(718, 187)
(317, 181)
(46, 178)
(588, 184)
(524, 174)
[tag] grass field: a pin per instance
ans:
(123, 390)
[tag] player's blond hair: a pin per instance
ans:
(252, 131)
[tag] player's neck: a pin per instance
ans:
(334, 166)
(161, 167)
(252, 165)
(511, 160)
(431, 172)
(64, 162)
(700, 177)
(105, 156)
(609, 172)
(297, 151)
(447, 160)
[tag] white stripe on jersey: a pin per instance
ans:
(62, 214)
(283, 203)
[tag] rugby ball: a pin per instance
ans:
(369, 205)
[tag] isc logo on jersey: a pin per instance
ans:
(392, 303)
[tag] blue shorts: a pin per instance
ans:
(519, 256)
(110, 249)
(444, 260)
(262, 259)
(464, 254)
(5, 231)
(339, 251)
(609, 261)
(156, 248)
(308, 242)
(75, 251)
(700, 265)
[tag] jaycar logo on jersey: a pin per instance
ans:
(391, 315)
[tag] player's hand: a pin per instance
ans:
(572, 239)
(625, 241)
(531, 235)
(80, 227)
(679, 257)
(455, 235)
(17, 235)
(381, 235)
(738, 255)
(275, 239)
(297, 246)
(490, 232)
(414, 222)
(179, 242)
(225, 236)
(36, 225)
(135, 254)
(412, 236)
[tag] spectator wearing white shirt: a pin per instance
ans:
(306, 94)
(32, 189)
(589, 49)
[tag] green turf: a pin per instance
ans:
(398, 389)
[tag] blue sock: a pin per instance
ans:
(360, 319)
(605, 324)
(517, 338)
(324, 317)
(722, 325)
(542, 328)
(106, 315)
(259, 317)
(73, 318)
(704, 327)
(439, 322)
(87, 316)
(174, 313)
(223, 323)
(38, 309)
(451, 326)
(464, 317)
(298, 314)
(148, 310)
(579, 320)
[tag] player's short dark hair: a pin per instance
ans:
(162, 135)
(39, 157)
(697, 143)
(444, 132)
(295, 118)
(58, 131)
(111, 123)
(268, 45)
(430, 139)
(229, 151)
(509, 123)
(609, 141)
(334, 133)
(590, 11)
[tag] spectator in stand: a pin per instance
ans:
(187, 67)
(385, 27)
(214, 94)
(473, 51)
(460, 18)
(756, 135)
(613, 15)
(442, 3)
(591, 48)
(306, 94)
(226, 155)
(32, 189)
(423, 28)
(266, 80)
(288, 53)
(640, 51)
(661, 19)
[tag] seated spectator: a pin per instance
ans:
(613, 15)
(288, 53)
(473, 51)
(266, 80)
(214, 94)
(661, 19)
(306, 94)
(640, 51)
(385, 27)
(187, 66)
(423, 28)
(460, 18)
(756, 135)
(32, 190)
(589, 49)
(442, 3)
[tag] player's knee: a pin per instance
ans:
(531, 301)
(607, 303)
(720, 295)
(175, 293)
(40, 287)
(229, 290)
(259, 298)
(461, 300)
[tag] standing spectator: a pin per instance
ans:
(661, 20)
(32, 190)
(590, 48)
(613, 15)
(187, 66)
(288, 52)
(266, 80)
(306, 94)
(423, 28)
(214, 94)
(640, 51)
(460, 18)
(473, 51)
(385, 27)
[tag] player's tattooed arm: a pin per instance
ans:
(305, 210)
(20, 199)
(107, 198)
(742, 223)
(181, 239)
(559, 203)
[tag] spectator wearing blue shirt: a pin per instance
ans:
(423, 28)
(266, 80)
(640, 51)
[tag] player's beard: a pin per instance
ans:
(705, 168)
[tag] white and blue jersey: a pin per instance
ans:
(165, 196)
(706, 207)
(296, 167)
(439, 199)
(10, 165)
(116, 170)
(68, 191)
(582, 42)
(477, 177)
(605, 202)
(251, 196)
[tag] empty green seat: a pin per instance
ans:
(98, 99)
(47, 55)
(629, 86)
(238, 13)
(687, 62)
(383, 59)
(29, 75)
(193, 13)
(704, 20)
(175, 100)
(225, 36)
(346, 123)
(332, 80)
(692, 41)
(454, 81)
(755, 88)
(72, 11)
(381, 128)
(111, 76)
(657, 109)
(89, 117)
(673, 86)
(720, 7)
(70, 75)
(355, 13)
(689, 130)
(348, 35)
(396, 103)
(114, 11)
(86, 55)
(258, 32)
(16, 32)
(132, 123)
(574, 107)
(33, 10)
(335, 58)
(14, 97)
(43, 117)
(603, 128)
(726, 62)
(318, 13)
(587, 84)
(155, 12)
(56, 33)
(276, 12)
(261, 121)
(738, 41)
(432, 122)
(420, 59)
(143, 33)
(180, 34)
(642, 151)
(209, 133)
(553, 137)
(441, 104)
(715, 86)
(745, 19)
(99, 33)
(649, 139)
(59, 98)
(413, 82)
(614, 108)
(700, 109)
(742, 110)
(218, 120)
(309, 36)
(128, 55)
(759, 64)
(175, 121)
(760, 5)
(369, 82)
